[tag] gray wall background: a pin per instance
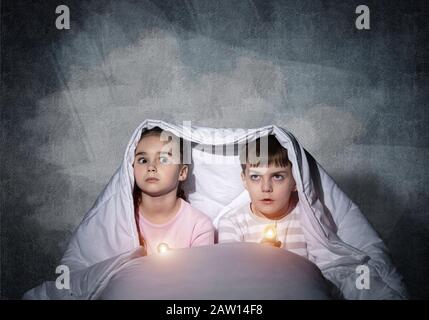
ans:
(357, 100)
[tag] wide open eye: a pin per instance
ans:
(141, 161)
(255, 177)
(278, 177)
(164, 160)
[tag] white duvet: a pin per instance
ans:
(338, 236)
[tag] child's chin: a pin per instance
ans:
(154, 192)
(268, 210)
(269, 215)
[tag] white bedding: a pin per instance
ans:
(222, 272)
(338, 236)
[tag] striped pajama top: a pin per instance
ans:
(242, 225)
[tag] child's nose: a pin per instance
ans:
(151, 168)
(266, 186)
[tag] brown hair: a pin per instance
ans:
(251, 154)
(137, 192)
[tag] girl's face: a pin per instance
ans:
(155, 171)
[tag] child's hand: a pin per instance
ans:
(143, 251)
(139, 252)
(276, 244)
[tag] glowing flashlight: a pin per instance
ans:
(163, 248)
(270, 236)
(270, 233)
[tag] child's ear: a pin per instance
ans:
(294, 186)
(183, 173)
(243, 179)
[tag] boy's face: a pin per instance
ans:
(270, 189)
(154, 169)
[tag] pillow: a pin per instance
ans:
(210, 192)
(225, 271)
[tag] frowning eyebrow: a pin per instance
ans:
(252, 172)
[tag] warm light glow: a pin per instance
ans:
(270, 233)
(163, 248)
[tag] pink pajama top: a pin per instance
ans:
(188, 228)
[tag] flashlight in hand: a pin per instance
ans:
(163, 248)
(270, 233)
(270, 237)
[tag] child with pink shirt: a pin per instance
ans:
(163, 216)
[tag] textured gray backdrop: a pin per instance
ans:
(357, 100)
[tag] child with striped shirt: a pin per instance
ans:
(272, 216)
